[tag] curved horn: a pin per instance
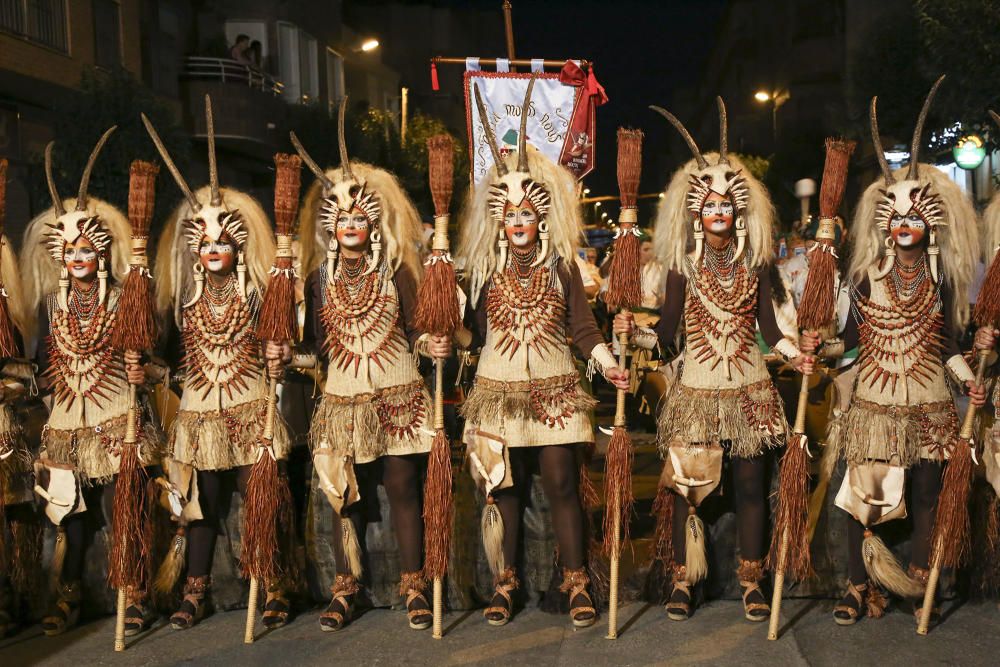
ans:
(723, 131)
(57, 205)
(995, 116)
(877, 143)
(171, 167)
(919, 129)
(313, 167)
(345, 164)
(688, 139)
(488, 130)
(213, 167)
(81, 197)
(522, 135)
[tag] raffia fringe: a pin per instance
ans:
(869, 431)
(224, 439)
(341, 421)
(492, 401)
(93, 459)
(700, 416)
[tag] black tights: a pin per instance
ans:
(925, 487)
(400, 475)
(80, 529)
(203, 533)
(751, 509)
(561, 481)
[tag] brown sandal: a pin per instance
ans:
(66, 611)
(341, 608)
(750, 573)
(862, 598)
(138, 616)
(506, 583)
(679, 609)
(276, 608)
(194, 606)
(575, 583)
(412, 585)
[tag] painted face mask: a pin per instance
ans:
(717, 214)
(217, 257)
(520, 225)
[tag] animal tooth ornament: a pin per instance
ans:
(211, 275)
(519, 234)
(373, 419)
(713, 236)
(87, 440)
(915, 249)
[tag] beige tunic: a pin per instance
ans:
(723, 394)
(374, 400)
(221, 415)
(90, 396)
(902, 408)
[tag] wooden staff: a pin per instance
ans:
(817, 309)
(624, 293)
(134, 330)
(438, 314)
(277, 323)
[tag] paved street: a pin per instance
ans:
(717, 635)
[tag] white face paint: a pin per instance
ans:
(352, 229)
(217, 256)
(717, 214)
(907, 231)
(521, 225)
(80, 259)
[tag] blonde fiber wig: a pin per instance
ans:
(958, 235)
(478, 229)
(11, 276)
(40, 273)
(674, 237)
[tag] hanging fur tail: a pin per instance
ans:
(885, 571)
(493, 533)
(618, 485)
(792, 516)
(352, 547)
(951, 526)
(437, 507)
(696, 555)
(258, 559)
(128, 558)
(8, 345)
(58, 559)
(174, 564)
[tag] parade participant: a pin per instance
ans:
(77, 297)
(713, 236)
(216, 251)
(373, 421)
(19, 544)
(913, 259)
(520, 231)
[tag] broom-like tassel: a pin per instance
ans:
(8, 345)
(134, 330)
(438, 314)
(352, 547)
(817, 309)
(492, 530)
(173, 565)
(277, 323)
(885, 571)
(696, 554)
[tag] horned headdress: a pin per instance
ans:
(393, 219)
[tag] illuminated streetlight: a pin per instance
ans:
(597, 204)
(660, 195)
(604, 216)
(762, 96)
(369, 45)
(586, 191)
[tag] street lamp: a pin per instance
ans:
(586, 191)
(776, 98)
(762, 96)
(369, 45)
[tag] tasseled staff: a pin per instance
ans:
(134, 331)
(277, 322)
(624, 293)
(8, 346)
(438, 314)
(951, 525)
(817, 309)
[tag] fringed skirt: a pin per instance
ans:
(225, 439)
(898, 434)
(388, 422)
(744, 420)
(532, 413)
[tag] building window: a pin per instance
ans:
(334, 79)
(298, 64)
(107, 34)
(309, 67)
(42, 21)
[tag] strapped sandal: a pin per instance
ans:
(341, 608)
(506, 583)
(860, 599)
(922, 575)
(679, 605)
(750, 573)
(418, 609)
(581, 605)
(66, 611)
(138, 616)
(194, 605)
(276, 607)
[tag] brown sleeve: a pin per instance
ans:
(672, 308)
(580, 322)
(949, 331)
(406, 289)
(312, 330)
(851, 334)
(42, 349)
(766, 319)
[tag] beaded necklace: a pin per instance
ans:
(526, 310)
(82, 362)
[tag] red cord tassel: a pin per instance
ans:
(435, 86)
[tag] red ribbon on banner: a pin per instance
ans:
(578, 149)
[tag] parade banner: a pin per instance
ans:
(561, 118)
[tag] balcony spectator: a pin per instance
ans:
(256, 55)
(239, 50)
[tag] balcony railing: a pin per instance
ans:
(226, 70)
